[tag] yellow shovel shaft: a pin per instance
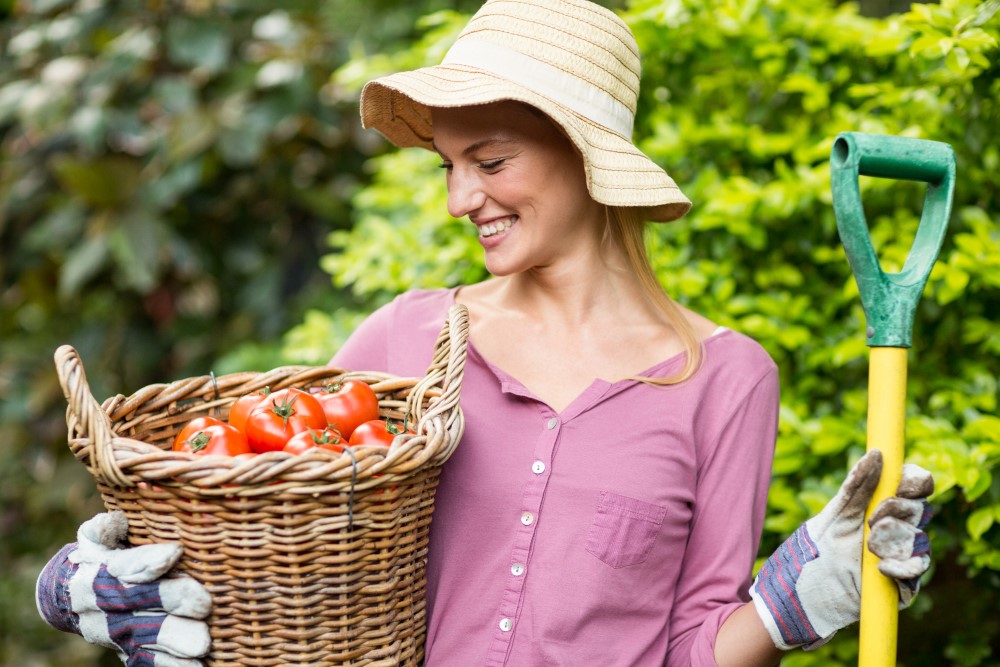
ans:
(886, 419)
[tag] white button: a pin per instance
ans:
(506, 624)
(538, 467)
(552, 423)
(527, 518)
(517, 569)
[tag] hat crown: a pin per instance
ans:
(585, 42)
(574, 61)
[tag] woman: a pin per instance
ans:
(606, 503)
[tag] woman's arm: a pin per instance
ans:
(743, 641)
(810, 586)
(737, 436)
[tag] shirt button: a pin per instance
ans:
(517, 569)
(527, 518)
(552, 423)
(506, 624)
(538, 467)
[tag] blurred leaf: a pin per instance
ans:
(319, 336)
(82, 263)
(106, 182)
(980, 521)
(136, 243)
(985, 12)
(190, 134)
(198, 43)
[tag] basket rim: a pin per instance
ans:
(433, 400)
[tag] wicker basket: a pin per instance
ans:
(311, 560)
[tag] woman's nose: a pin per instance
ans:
(465, 193)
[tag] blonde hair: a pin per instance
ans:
(626, 228)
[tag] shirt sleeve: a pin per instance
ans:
(366, 349)
(399, 337)
(730, 504)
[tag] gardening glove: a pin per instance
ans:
(811, 586)
(119, 597)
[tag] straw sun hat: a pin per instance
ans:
(575, 61)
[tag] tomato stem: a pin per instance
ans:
(325, 437)
(199, 441)
(284, 410)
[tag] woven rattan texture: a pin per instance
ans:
(312, 560)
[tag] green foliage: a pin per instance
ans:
(170, 180)
(168, 175)
(403, 247)
(741, 102)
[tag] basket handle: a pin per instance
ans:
(84, 409)
(447, 367)
(455, 334)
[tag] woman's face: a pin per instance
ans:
(520, 181)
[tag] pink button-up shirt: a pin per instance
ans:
(621, 531)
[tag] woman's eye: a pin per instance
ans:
(445, 165)
(492, 164)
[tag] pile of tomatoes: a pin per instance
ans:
(291, 420)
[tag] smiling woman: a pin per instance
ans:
(519, 180)
(606, 502)
(625, 545)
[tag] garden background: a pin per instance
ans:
(185, 188)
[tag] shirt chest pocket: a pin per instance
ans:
(624, 529)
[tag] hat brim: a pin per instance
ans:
(618, 173)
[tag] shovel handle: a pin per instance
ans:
(890, 299)
(890, 303)
(886, 419)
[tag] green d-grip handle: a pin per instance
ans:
(890, 299)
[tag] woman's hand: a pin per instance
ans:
(119, 597)
(811, 586)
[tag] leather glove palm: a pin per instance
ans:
(119, 597)
(811, 586)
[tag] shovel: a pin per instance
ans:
(890, 302)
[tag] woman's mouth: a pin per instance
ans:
(497, 226)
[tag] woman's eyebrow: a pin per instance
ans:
(479, 145)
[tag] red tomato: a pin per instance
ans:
(209, 436)
(376, 432)
(280, 416)
(192, 427)
(348, 405)
(243, 406)
(328, 438)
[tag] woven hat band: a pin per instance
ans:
(540, 77)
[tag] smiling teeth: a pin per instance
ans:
(495, 228)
